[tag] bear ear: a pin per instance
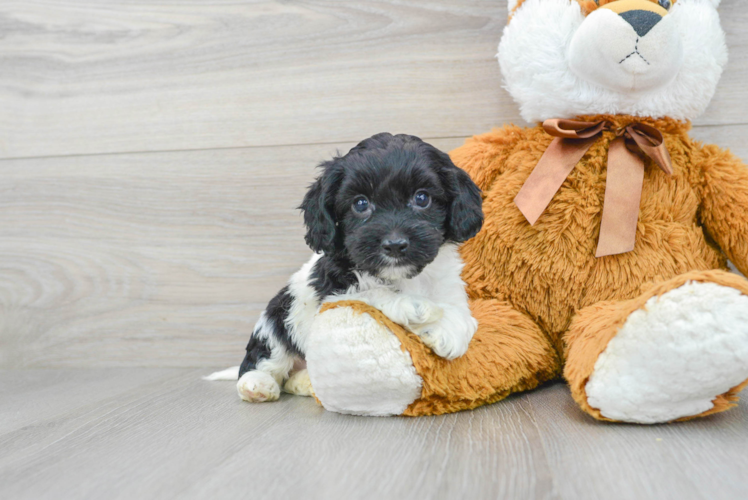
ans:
(465, 213)
(319, 208)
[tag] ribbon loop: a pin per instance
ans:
(572, 129)
(572, 139)
(652, 143)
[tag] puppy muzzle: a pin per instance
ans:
(394, 246)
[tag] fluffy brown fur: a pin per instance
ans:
(542, 299)
(529, 265)
(690, 221)
(508, 354)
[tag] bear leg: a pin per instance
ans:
(678, 351)
(361, 362)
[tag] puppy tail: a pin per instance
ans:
(227, 374)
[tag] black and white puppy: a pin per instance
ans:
(384, 222)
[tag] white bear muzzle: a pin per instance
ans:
(635, 50)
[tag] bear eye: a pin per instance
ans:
(360, 204)
(665, 4)
(422, 199)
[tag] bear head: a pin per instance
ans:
(653, 58)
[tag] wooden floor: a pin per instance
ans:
(152, 154)
(164, 433)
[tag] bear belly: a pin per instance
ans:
(549, 270)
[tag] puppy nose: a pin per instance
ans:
(395, 247)
(641, 20)
(642, 15)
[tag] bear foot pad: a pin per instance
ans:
(357, 365)
(672, 358)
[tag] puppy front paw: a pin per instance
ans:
(445, 343)
(258, 386)
(414, 311)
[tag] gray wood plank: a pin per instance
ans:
(152, 75)
(103, 259)
(166, 434)
(492, 452)
(703, 459)
(728, 137)
(729, 102)
(33, 396)
(181, 436)
(139, 441)
(161, 259)
(79, 77)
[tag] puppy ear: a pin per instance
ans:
(319, 208)
(465, 216)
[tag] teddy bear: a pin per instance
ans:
(603, 256)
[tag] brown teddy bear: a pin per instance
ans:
(603, 256)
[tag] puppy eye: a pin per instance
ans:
(665, 4)
(360, 204)
(422, 199)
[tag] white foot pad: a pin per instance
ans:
(674, 356)
(299, 384)
(257, 386)
(357, 366)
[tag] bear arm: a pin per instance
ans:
(484, 156)
(724, 210)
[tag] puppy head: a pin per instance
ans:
(389, 204)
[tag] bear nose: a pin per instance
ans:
(395, 246)
(641, 20)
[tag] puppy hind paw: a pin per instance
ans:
(299, 384)
(257, 387)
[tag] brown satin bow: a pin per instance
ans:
(623, 188)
